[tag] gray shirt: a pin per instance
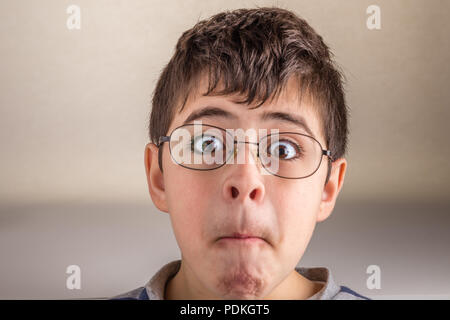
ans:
(154, 288)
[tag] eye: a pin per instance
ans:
(285, 150)
(206, 144)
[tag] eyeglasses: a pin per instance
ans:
(289, 155)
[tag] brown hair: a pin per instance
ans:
(253, 52)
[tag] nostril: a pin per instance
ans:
(253, 194)
(234, 192)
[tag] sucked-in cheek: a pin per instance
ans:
(186, 199)
(297, 219)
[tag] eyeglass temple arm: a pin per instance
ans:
(162, 139)
(327, 153)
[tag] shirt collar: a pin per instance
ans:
(156, 286)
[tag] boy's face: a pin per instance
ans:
(205, 206)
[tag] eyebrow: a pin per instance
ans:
(296, 120)
(210, 111)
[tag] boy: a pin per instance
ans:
(243, 225)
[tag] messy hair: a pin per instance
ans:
(253, 53)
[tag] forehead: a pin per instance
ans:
(288, 104)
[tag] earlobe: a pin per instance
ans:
(155, 178)
(332, 188)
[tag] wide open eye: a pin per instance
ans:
(206, 144)
(285, 150)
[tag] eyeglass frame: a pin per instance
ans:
(163, 139)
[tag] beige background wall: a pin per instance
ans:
(73, 115)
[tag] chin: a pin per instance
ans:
(240, 283)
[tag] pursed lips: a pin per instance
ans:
(240, 237)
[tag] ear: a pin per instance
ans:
(332, 189)
(155, 178)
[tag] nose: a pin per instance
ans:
(244, 181)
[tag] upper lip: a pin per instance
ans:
(240, 235)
